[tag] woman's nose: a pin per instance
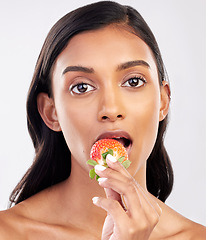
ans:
(111, 107)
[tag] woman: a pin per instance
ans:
(99, 75)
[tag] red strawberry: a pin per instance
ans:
(104, 147)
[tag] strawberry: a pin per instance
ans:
(101, 149)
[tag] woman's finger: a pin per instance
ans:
(122, 184)
(150, 200)
(115, 170)
(141, 208)
(127, 190)
(117, 166)
(136, 199)
(113, 208)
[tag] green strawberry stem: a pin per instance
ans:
(93, 163)
(104, 155)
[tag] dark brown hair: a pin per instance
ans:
(52, 163)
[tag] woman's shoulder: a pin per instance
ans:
(174, 226)
(10, 222)
(19, 223)
(16, 223)
(184, 228)
(194, 230)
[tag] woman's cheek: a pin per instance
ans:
(145, 132)
(77, 122)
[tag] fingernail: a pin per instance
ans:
(101, 180)
(100, 168)
(95, 200)
(110, 158)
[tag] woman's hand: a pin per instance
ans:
(131, 213)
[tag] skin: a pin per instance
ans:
(110, 103)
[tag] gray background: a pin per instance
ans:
(179, 27)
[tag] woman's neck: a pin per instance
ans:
(74, 196)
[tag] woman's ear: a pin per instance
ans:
(165, 100)
(47, 111)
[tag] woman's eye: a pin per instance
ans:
(134, 82)
(82, 88)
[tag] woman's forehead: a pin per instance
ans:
(109, 45)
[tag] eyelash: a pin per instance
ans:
(91, 88)
(137, 78)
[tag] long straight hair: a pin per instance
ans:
(52, 162)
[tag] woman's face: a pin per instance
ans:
(105, 85)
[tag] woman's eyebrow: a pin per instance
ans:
(121, 67)
(134, 63)
(78, 69)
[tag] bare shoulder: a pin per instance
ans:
(10, 221)
(174, 226)
(4, 225)
(195, 231)
(188, 229)
(18, 223)
(15, 223)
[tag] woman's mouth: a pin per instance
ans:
(121, 136)
(124, 141)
